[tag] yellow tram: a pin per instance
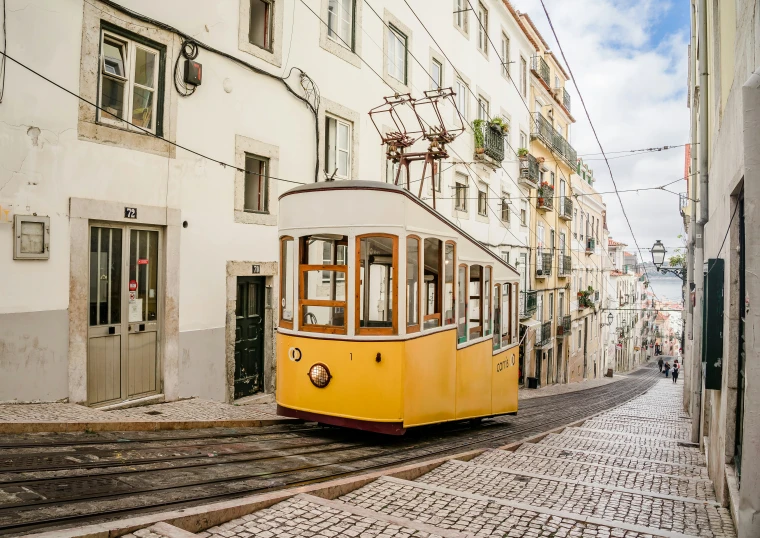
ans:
(358, 348)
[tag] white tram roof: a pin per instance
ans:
(363, 207)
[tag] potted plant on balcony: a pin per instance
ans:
(522, 153)
(499, 122)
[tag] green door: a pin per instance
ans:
(249, 336)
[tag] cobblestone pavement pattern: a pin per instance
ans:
(626, 473)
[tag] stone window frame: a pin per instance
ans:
(434, 55)
(460, 175)
(390, 20)
(273, 56)
(94, 20)
(243, 146)
(352, 56)
(465, 30)
(331, 108)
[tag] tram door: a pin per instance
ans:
(124, 299)
(249, 336)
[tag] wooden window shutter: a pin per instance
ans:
(712, 351)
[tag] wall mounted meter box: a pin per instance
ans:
(31, 236)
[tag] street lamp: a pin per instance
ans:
(658, 259)
(610, 317)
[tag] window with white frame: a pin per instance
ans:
(482, 203)
(129, 82)
(523, 140)
(505, 207)
(505, 70)
(461, 97)
(483, 29)
(260, 29)
(436, 74)
(397, 54)
(484, 108)
(460, 192)
(523, 76)
(340, 22)
(337, 148)
(256, 196)
(523, 212)
(461, 12)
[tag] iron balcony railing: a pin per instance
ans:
(545, 199)
(543, 264)
(490, 138)
(565, 207)
(528, 303)
(553, 139)
(563, 326)
(565, 264)
(529, 170)
(540, 66)
(566, 99)
(544, 334)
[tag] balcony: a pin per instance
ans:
(543, 265)
(528, 303)
(545, 199)
(528, 171)
(565, 265)
(489, 142)
(585, 299)
(539, 66)
(563, 326)
(590, 245)
(544, 334)
(552, 139)
(565, 208)
(566, 99)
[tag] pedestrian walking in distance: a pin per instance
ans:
(676, 369)
(660, 363)
(667, 369)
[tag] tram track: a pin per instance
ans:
(186, 485)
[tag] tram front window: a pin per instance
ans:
(432, 284)
(377, 266)
(323, 282)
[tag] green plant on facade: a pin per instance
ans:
(480, 141)
(522, 152)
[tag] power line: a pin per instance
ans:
(643, 150)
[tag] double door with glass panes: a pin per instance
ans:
(124, 313)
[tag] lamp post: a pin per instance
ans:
(658, 259)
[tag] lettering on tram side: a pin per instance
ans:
(295, 354)
(503, 365)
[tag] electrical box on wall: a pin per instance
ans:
(193, 73)
(31, 237)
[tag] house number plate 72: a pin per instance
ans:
(130, 212)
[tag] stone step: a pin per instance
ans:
(644, 481)
(680, 455)
(682, 433)
(628, 438)
(609, 503)
(160, 530)
(485, 515)
(687, 471)
(306, 515)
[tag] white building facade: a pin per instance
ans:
(138, 212)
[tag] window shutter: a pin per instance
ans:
(712, 351)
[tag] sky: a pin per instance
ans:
(630, 61)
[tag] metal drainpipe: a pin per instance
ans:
(703, 125)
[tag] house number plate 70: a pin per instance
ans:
(130, 212)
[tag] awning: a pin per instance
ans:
(530, 323)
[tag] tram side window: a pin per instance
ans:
(475, 308)
(486, 301)
(412, 284)
(497, 315)
(462, 304)
(432, 282)
(377, 272)
(322, 277)
(506, 309)
(448, 286)
(287, 265)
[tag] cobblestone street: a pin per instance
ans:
(625, 473)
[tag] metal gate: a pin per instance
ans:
(249, 336)
(124, 313)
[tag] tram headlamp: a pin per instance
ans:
(319, 375)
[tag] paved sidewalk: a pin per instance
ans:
(183, 414)
(625, 473)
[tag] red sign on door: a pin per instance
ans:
(133, 285)
(142, 261)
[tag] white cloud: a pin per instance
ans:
(635, 89)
